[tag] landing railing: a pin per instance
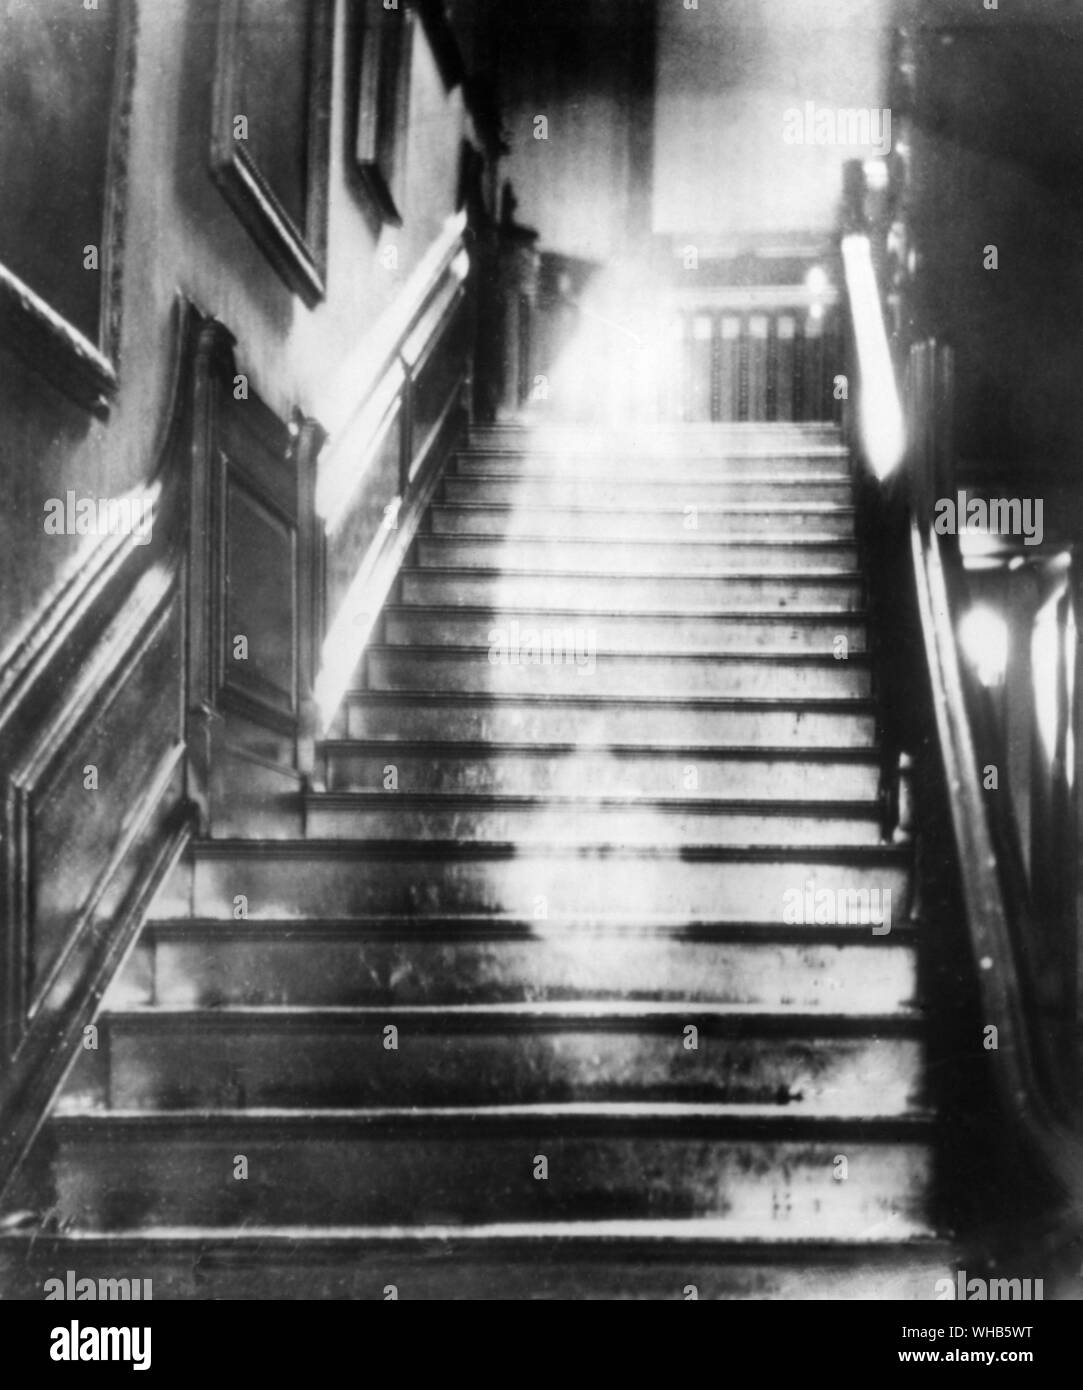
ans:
(757, 352)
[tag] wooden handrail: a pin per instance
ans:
(989, 863)
(346, 409)
(1022, 1078)
(408, 389)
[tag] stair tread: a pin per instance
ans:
(772, 656)
(783, 1017)
(755, 615)
(707, 508)
(725, 1234)
(800, 702)
(780, 540)
(506, 925)
(764, 806)
(739, 1120)
(765, 752)
(221, 848)
(497, 572)
(518, 466)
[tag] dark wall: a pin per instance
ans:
(55, 69)
(586, 66)
(997, 161)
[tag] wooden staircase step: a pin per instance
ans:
(711, 723)
(373, 815)
(567, 661)
(719, 556)
(310, 878)
(580, 1260)
(201, 962)
(521, 769)
(694, 521)
(773, 1170)
(688, 634)
(501, 483)
(484, 1054)
(521, 587)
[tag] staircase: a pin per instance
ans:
(530, 1011)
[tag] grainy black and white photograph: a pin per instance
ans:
(541, 706)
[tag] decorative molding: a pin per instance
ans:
(53, 347)
(298, 254)
(116, 206)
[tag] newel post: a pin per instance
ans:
(213, 363)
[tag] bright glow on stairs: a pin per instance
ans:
(882, 426)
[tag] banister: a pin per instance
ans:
(989, 863)
(400, 396)
(342, 407)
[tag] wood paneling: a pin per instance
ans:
(92, 747)
(79, 784)
(253, 561)
(128, 716)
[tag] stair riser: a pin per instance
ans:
(313, 968)
(544, 490)
(443, 1270)
(631, 594)
(611, 824)
(295, 1175)
(162, 1065)
(579, 772)
(519, 520)
(509, 721)
(576, 669)
(633, 558)
(631, 632)
(529, 885)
